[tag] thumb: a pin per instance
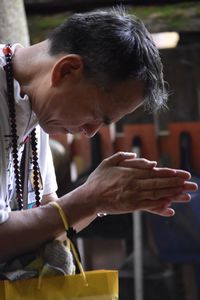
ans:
(140, 163)
(118, 157)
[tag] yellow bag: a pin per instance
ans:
(99, 285)
(91, 285)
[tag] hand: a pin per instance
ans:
(188, 186)
(124, 184)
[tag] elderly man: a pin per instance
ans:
(93, 69)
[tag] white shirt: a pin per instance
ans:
(26, 120)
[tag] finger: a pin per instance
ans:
(180, 173)
(145, 173)
(163, 209)
(160, 183)
(190, 186)
(137, 163)
(163, 212)
(153, 173)
(181, 198)
(164, 172)
(162, 193)
(118, 157)
(183, 174)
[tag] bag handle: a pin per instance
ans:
(69, 241)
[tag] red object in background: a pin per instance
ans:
(147, 135)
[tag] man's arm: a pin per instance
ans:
(48, 198)
(111, 188)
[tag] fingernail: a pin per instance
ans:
(170, 212)
(153, 162)
(130, 153)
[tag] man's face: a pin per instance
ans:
(84, 107)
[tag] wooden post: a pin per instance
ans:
(13, 24)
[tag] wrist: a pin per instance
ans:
(79, 207)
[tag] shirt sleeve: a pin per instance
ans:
(46, 165)
(4, 214)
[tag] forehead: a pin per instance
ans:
(123, 98)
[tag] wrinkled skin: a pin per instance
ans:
(123, 183)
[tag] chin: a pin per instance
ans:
(53, 130)
(48, 129)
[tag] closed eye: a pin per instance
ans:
(106, 120)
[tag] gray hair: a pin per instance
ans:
(115, 47)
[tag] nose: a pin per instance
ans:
(90, 130)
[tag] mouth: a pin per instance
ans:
(57, 128)
(74, 131)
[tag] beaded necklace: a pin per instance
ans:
(14, 137)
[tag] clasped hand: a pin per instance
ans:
(123, 183)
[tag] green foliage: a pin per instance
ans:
(176, 17)
(40, 26)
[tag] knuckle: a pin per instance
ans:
(155, 194)
(144, 160)
(120, 154)
(151, 173)
(155, 185)
(137, 185)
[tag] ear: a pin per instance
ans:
(69, 65)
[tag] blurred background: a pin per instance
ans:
(157, 258)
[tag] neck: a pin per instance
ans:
(32, 66)
(29, 64)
